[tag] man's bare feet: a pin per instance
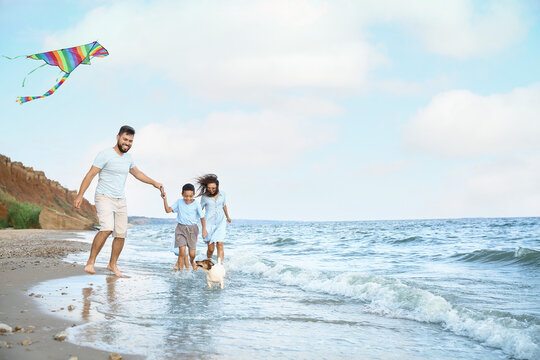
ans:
(114, 269)
(90, 269)
(175, 267)
(195, 266)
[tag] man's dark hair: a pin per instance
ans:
(126, 129)
(188, 187)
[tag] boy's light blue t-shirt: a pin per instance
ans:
(187, 214)
(113, 173)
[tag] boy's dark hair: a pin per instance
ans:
(188, 187)
(126, 129)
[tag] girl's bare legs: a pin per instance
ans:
(220, 253)
(210, 250)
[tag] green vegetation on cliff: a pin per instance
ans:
(19, 215)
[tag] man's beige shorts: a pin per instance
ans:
(112, 215)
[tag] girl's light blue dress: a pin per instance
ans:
(216, 222)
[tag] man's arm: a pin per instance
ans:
(84, 185)
(139, 175)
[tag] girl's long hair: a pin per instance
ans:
(203, 182)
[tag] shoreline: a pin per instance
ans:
(27, 258)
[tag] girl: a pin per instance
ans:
(213, 201)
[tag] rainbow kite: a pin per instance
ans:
(67, 60)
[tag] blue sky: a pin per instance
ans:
(306, 110)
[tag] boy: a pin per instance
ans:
(187, 212)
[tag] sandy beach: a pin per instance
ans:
(28, 257)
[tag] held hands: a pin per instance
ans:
(204, 233)
(229, 220)
(159, 186)
(162, 189)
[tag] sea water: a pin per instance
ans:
(418, 289)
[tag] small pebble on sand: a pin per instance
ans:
(26, 342)
(4, 328)
(61, 336)
(71, 307)
(115, 356)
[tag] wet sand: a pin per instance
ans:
(28, 257)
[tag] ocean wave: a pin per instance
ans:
(410, 239)
(521, 256)
(281, 241)
(390, 297)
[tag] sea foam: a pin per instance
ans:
(390, 297)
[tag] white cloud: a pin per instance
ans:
(231, 49)
(504, 187)
(411, 88)
(250, 50)
(460, 123)
(379, 169)
(493, 144)
(232, 140)
(459, 28)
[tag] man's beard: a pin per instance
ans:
(120, 148)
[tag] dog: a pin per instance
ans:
(215, 273)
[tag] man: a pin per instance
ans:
(112, 165)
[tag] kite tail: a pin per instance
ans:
(39, 67)
(23, 99)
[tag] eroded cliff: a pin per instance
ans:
(26, 185)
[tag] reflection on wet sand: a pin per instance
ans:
(86, 292)
(93, 310)
(112, 301)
